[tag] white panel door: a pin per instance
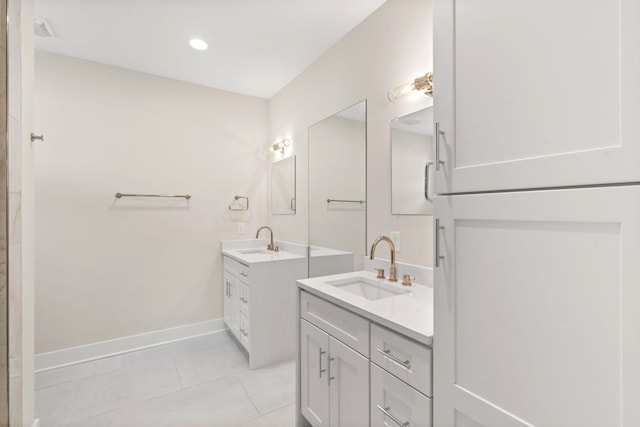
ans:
(537, 309)
(314, 378)
(349, 386)
(533, 94)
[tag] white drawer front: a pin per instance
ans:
(394, 403)
(244, 298)
(348, 327)
(244, 330)
(404, 358)
(237, 268)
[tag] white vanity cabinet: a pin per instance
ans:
(521, 103)
(259, 303)
(356, 373)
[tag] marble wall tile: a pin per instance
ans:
(12, 10)
(15, 305)
(4, 361)
(14, 55)
(14, 152)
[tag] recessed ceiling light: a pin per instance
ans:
(198, 44)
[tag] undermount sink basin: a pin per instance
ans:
(256, 251)
(367, 288)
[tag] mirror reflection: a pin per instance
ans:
(411, 142)
(283, 186)
(337, 192)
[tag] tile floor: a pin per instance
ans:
(200, 382)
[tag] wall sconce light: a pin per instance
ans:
(420, 84)
(280, 145)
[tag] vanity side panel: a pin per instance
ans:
(272, 315)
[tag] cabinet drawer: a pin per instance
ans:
(244, 298)
(244, 330)
(404, 358)
(349, 328)
(395, 403)
(239, 269)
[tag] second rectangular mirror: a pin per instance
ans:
(411, 142)
(338, 192)
(283, 186)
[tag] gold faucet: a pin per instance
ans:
(270, 246)
(392, 274)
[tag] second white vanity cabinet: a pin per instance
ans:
(259, 302)
(357, 373)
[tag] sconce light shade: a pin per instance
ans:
(419, 84)
(280, 145)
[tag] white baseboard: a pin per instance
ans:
(99, 350)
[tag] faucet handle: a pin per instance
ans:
(380, 273)
(276, 248)
(406, 280)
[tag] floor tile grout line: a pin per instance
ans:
(248, 395)
(172, 349)
(169, 345)
(265, 415)
(82, 378)
(175, 366)
(119, 408)
(102, 414)
(279, 408)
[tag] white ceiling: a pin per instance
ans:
(256, 47)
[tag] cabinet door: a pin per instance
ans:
(232, 303)
(349, 386)
(227, 278)
(533, 94)
(314, 378)
(537, 309)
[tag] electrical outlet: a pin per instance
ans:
(241, 228)
(395, 238)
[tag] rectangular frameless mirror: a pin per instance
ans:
(338, 192)
(283, 186)
(411, 142)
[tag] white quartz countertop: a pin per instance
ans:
(248, 256)
(410, 313)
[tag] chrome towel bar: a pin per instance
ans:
(183, 196)
(346, 201)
